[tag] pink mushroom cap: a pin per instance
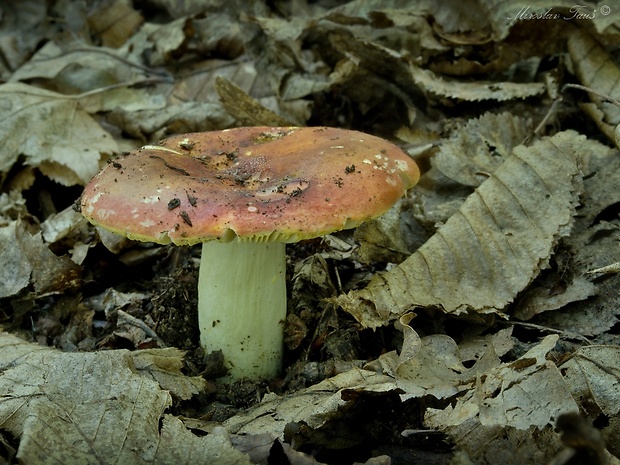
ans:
(252, 183)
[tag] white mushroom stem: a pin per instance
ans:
(242, 305)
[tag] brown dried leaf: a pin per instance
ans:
(67, 142)
(491, 445)
(479, 146)
(98, 408)
(473, 91)
(247, 110)
(595, 69)
(164, 367)
(593, 244)
(390, 238)
(594, 373)
(314, 406)
(115, 23)
(26, 260)
(527, 392)
(493, 247)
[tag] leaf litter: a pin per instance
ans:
(476, 321)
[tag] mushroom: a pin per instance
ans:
(243, 193)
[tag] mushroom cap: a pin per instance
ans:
(251, 183)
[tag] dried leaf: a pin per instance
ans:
(479, 146)
(59, 225)
(247, 110)
(435, 370)
(492, 445)
(26, 260)
(115, 23)
(164, 366)
(179, 118)
(16, 46)
(473, 91)
(595, 69)
(98, 408)
(493, 247)
(592, 244)
(594, 373)
(390, 238)
(527, 392)
(15, 270)
(314, 405)
(67, 143)
(541, 299)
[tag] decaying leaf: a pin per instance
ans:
(594, 374)
(480, 146)
(491, 445)
(473, 91)
(314, 405)
(492, 247)
(389, 238)
(15, 46)
(593, 244)
(164, 367)
(596, 69)
(103, 407)
(115, 23)
(247, 110)
(26, 260)
(67, 143)
(542, 299)
(527, 392)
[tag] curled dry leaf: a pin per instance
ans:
(594, 373)
(595, 69)
(593, 243)
(314, 406)
(480, 146)
(527, 392)
(27, 260)
(67, 143)
(103, 407)
(493, 247)
(473, 91)
(247, 110)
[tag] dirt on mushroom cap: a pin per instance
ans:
(254, 183)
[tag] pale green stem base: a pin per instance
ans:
(242, 305)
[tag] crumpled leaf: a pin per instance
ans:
(59, 225)
(434, 365)
(473, 91)
(492, 445)
(493, 247)
(247, 110)
(96, 408)
(67, 143)
(540, 299)
(596, 69)
(314, 406)
(480, 146)
(593, 243)
(114, 23)
(390, 238)
(594, 373)
(527, 392)
(15, 45)
(26, 260)
(164, 367)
